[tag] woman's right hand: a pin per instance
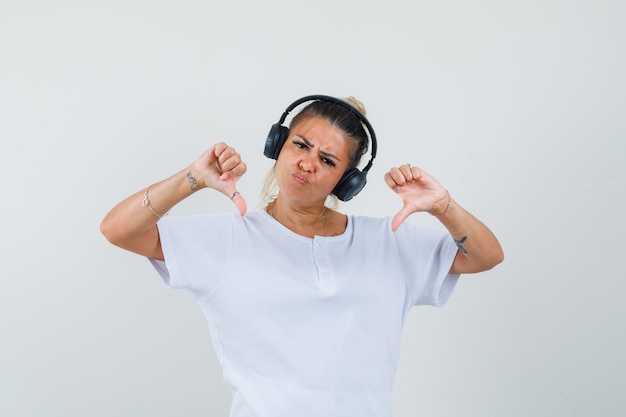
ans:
(220, 168)
(131, 224)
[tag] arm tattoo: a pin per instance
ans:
(459, 244)
(192, 180)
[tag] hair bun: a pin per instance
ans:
(356, 104)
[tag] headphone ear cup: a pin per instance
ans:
(350, 184)
(275, 140)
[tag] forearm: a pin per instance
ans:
(138, 214)
(479, 249)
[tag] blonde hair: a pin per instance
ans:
(356, 104)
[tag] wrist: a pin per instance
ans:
(195, 178)
(443, 209)
(192, 180)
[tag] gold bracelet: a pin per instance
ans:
(146, 203)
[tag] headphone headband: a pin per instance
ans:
(357, 113)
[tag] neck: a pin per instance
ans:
(305, 221)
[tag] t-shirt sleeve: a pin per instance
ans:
(196, 249)
(427, 255)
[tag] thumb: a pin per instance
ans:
(400, 217)
(233, 194)
(239, 201)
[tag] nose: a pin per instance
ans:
(307, 164)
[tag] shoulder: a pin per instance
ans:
(199, 225)
(381, 227)
(366, 223)
(198, 219)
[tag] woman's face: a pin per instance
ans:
(312, 161)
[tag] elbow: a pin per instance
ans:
(464, 264)
(489, 261)
(110, 232)
(496, 258)
(105, 229)
(501, 257)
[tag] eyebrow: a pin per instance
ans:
(326, 154)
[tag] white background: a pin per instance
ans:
(517, 107)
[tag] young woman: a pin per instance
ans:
(306, 304)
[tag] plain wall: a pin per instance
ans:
(517, 107)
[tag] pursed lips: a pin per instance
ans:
(300, 179)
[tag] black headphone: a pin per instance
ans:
(353, 180)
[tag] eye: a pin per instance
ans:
(300, 145)
(328, 161)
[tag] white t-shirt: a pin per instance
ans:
(306, 327)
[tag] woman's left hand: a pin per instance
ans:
(419, 192)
